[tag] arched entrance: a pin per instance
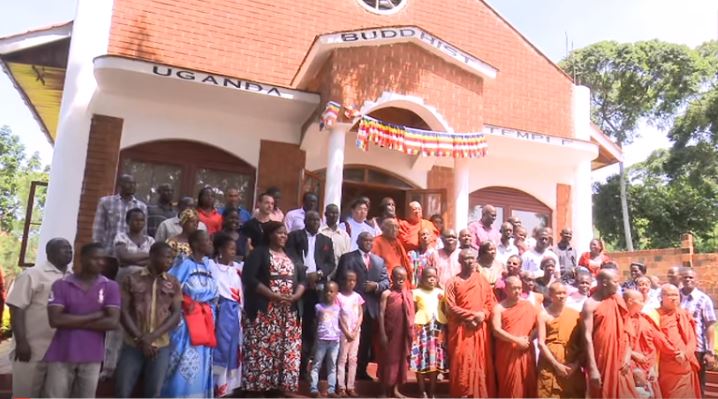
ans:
(373, 183)
(368, 175)
(187, 166)
(511, 202)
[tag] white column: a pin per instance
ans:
(581, 112)
(461, 191)
(581, 199)
(581, 206)
(90, 38)
(335, 165)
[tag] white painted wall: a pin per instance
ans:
(538, 180)
(238, 134)
(90, 38)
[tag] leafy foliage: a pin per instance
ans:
(662, 208)
(674, 191)
(17, 172)
(631, 82)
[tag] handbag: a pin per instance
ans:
(200, 322)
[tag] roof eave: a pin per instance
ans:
(27, 101)
(34, 38)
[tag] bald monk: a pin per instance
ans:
(605, 336)
(514, 322)
(469, 301)
(678, 366)
(561, 349)
(645, 339)
(415, 222)
(388, 247)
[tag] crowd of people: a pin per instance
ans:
(200, 301)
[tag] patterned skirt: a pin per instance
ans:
(428, 351)
(272, 350)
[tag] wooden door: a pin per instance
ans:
(433, 201)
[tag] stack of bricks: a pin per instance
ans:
(658, 261)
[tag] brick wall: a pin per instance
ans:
(103, 152)
(281, 165)
(267, 42)
(658, 261)
(441, 177)
(355, 76)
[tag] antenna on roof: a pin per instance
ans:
(565, 34)
(568, 45)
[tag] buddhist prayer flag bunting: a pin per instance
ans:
(350, 112)
(419, 142)
(329, 116)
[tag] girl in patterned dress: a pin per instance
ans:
(423, 257)
(428, 350)
(273, 284)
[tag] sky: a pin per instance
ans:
(553, 26)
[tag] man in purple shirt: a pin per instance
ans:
(82, 307)
(482, 229)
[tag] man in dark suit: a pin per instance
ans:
(372, 280)
(316, 252)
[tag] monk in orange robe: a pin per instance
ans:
(388, 247)
(409, 229)
(678, 366)
(469, 300)
(561, 349)
(609, 356)
(644, 339)
(514, 322)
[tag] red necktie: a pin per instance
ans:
(367, 261)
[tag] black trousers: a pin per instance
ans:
(310, 299)
(366, 339)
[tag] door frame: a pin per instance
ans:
(199, 155)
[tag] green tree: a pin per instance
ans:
(630, 83)
(17, 172)
(662, 207)
(694, 155)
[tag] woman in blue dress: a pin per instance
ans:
(190, 369)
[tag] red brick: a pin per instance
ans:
(103, 150)
(267, 42)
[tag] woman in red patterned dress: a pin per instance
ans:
(273, 285)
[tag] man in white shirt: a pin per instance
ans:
(294, 219)
(505, 248)
(340, 238)
(31, 329)
(171, 227)
(357, 223)
(531, 259)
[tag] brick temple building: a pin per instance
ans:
(230, 93)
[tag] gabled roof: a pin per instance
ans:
(35, 62)
(324, 44)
